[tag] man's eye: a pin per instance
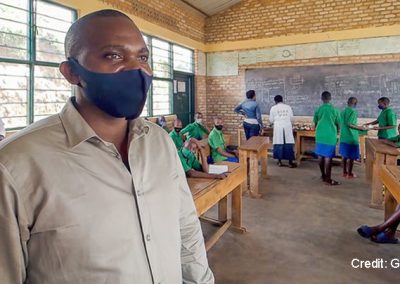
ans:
(113, 56)
(144, 58)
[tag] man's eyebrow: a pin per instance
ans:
(117, 46)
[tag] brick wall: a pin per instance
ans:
(169, 14)
(254, 19)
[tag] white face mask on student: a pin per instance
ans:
(199, 120)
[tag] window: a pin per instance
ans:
(183, 59)
(165, 58)
(31, 47)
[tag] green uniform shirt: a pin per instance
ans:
(327, 119)
(195, 130)
(348, 135)
(387, 117)
(188, 160)
(176, 138)
(216, 140)
(396, 140)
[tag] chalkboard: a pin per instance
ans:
(301, 87)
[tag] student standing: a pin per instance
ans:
(349, 137)
(327, 121)
(252, 123)
(196, 129)
(281, 116)
(387, 120)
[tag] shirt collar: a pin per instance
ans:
(78, 130)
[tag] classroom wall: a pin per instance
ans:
(276, 26)
(255, 19)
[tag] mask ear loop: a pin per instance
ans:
(73, 64)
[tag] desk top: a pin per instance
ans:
(255, 143)
(380, 147)
(199, 185)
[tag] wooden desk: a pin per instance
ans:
(299, 134)
(390, 177)
(256, 148)
(377, 155)
(208, 192)
(299, 140)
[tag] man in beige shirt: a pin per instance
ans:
(95, 194)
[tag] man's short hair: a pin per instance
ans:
(385, 100)
(351, 100)
(73, 38)
(326, 96)
(278, 99)
(250, 94)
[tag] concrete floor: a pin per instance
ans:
(303, 231)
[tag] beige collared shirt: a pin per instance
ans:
(71, 212)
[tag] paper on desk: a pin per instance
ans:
(217, 169)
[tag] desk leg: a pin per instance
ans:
(298, 148)
(362, 149)
(243, 160)
(237, 210)
(377, 185)
(369, 158)
(254, 176)
(223, 209)
(264, 162)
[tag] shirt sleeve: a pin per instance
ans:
(290, 113)
(315, 119)
(184, 163)
(14, 233)
(391, 118)
(258, 115)
(272, 115)
(238, 109)
(187, 128)
(195, 267)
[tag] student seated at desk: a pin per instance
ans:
(176, 135)
(191, 165)
(217, 144)
(196, 129)
(386, 120)
(383, 233)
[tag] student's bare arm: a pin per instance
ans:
(197, 174)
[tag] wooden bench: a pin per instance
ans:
(170, 118)
(378, 154)
(209, 192)
(253, 150)
(390, 177)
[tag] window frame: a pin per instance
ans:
(31, 61)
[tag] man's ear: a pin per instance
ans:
(66, 70)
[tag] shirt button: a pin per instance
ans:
(148, 238)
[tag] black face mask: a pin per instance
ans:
(177, 129)
(219, 127)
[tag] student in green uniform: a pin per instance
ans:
(349, 147)
(191, 165)
(196, 129)
(387, 120)
(175, 134)
(327, 122)
(217, 144)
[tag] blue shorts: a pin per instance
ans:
(325, 150)
(233, 159)
(349, 151)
